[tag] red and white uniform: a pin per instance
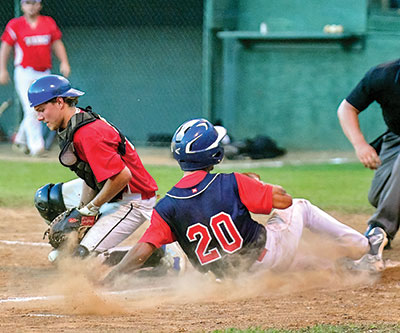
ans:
(97, 144)
(32, 44)
(32, 60)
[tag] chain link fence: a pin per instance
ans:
(139, 62)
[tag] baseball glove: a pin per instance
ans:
(69, 221)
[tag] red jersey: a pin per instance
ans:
(97, 144)
(32, 45)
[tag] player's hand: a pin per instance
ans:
(89, 210)
(368, 156)
(280, 198)
(4, 77)
(65, 69)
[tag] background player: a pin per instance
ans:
(380, 84)
(209, 216)
(32, 36)
(116, 184)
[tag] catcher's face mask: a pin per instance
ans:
(67, 156)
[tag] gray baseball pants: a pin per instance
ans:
(384, 193)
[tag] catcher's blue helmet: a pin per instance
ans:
(196, 144)
(47, 87)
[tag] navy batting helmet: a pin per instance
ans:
(196, 144)
(47, 87)
(49, 201)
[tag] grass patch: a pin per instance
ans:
(332, 187)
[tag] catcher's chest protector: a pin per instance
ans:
(70, 159)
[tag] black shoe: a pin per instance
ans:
(114, 257)
(377, 241)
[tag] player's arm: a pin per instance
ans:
(133, 260)
(156, 235)
(348, 118)
(5, 51)
(87, 194)
(61, 53)
(260, 197)
(111, 188)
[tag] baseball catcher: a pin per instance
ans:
(117, 191)
(56, 203)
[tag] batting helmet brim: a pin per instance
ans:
(72, 93)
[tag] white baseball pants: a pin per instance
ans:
(30, 129)
(71, 192)
(118, 221)
(285, 227)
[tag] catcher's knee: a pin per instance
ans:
(81, 252)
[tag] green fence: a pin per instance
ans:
(271, 68)
(139, 62)
(147, 66)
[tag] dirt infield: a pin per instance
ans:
(38, 296)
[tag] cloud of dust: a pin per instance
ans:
(76, 280)
(314, 268)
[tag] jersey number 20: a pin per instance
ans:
(201, 233)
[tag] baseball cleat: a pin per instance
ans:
(20, 148)
(387, 246)
(377, 241)
(368, 263)
(113, 256)
(372, 261)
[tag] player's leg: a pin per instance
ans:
(30, 126)
(358, 252)
(352, 243)
(117, 222)
(384, 193)
(20, 138)
(284, 230)
(71, 192)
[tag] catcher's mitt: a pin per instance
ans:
(67, 222)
